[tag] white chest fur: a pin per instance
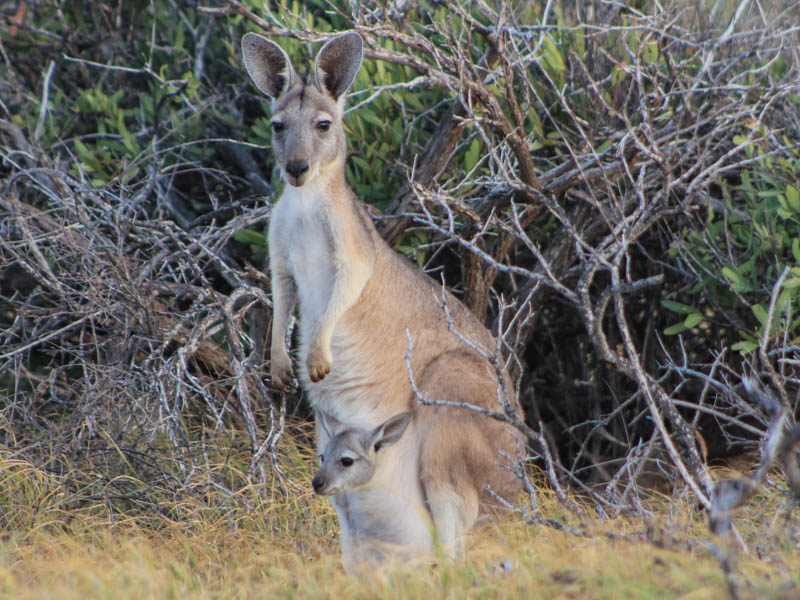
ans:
(314, 242)
(300, 231)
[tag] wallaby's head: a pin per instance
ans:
(307, 134)
(348, 460)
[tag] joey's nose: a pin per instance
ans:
(296, 168)
(317, 483)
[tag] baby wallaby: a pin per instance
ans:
(349, 459)
(381, 520)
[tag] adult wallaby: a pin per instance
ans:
(382, 521)
(359, 302)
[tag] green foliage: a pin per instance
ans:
(257, 242)
(108, 105)
(410, 244)
(741, 252)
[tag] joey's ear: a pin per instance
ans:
(391, 431)
(268, 65)
(323, 422)
(338, 62)
(330, 424)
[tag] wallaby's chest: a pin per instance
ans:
(390, 515)
(301, 232)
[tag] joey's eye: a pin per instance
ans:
(347, 461)
(278, 126)
(323, 125)
(322, 458)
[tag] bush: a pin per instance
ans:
(738, 255)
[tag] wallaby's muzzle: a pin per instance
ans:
(319, 484)
(296, 171)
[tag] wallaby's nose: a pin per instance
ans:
(317, 483)
(296, 168)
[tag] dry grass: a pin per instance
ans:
(287, 547)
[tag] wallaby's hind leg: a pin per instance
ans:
(453, 514)
(452, 485)
(460, 453)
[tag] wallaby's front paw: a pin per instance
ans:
(318, 363)
(281, 370)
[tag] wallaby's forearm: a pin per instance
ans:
(353, 268)
(284, 299)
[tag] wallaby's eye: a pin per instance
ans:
(323, 125)
(377, 446)
(347, 461)
(278, 126)
(322, 458)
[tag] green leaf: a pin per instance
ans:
(677, 307)
(127, 139)
(760, 313)
(745, 346)
(248, 236)
(88, 158)
(734, 278)
(552, 59)
(471, 158)
(787, 295)
(673, 329)
(412, 101)
(791, 283)
(129, 174)
(369, 151)
(370, 117)
(578, 41)
(650, 53)
(747, 184)
(692, 320)
(794, 325)
(793, 197)
(732, 275)
(364, 165)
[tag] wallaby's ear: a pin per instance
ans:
(338, 62)
(268, 65)
(323, 422)
(391, 431)
(329, 423)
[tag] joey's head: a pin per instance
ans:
(307, 134)
(349, 459)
